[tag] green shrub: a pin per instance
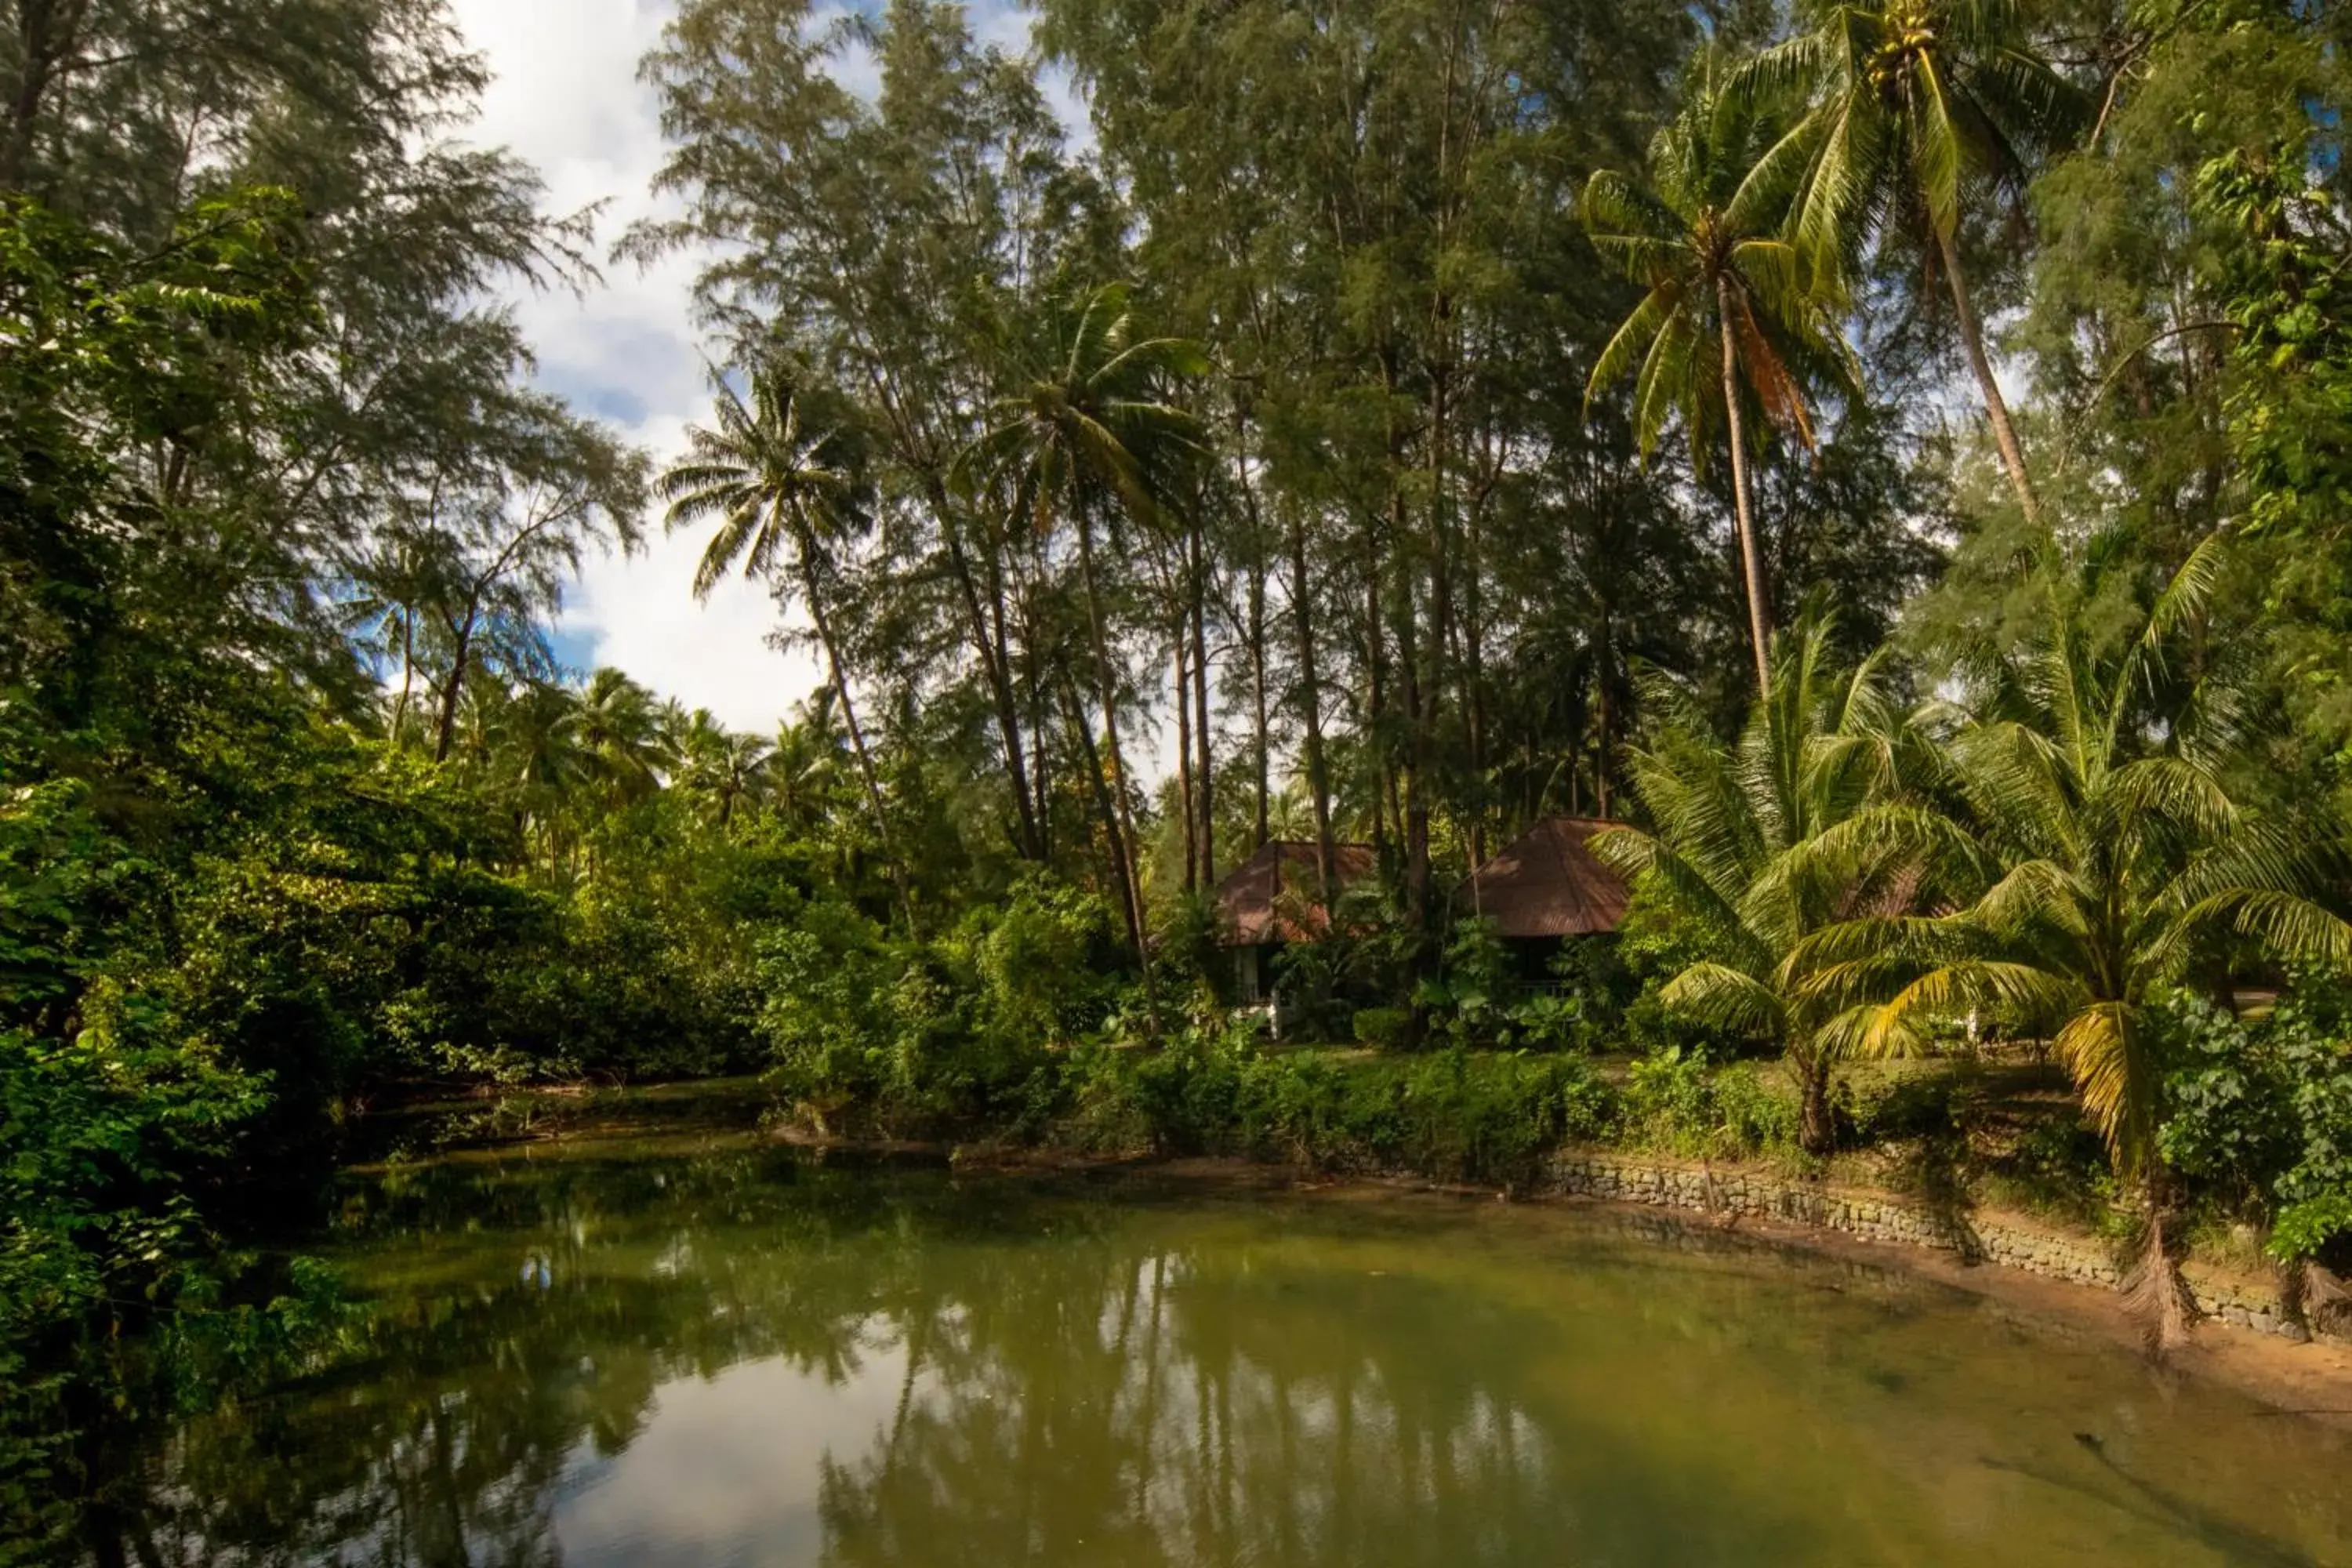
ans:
(1453, 1114)
(1676, 1100)
(1382, 1026)
(2261, 1111)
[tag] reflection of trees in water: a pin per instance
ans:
(1174, 1412)
(1079, 1397)
(438, 1428)
(1054, 1382)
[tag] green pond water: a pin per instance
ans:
(709, 1350)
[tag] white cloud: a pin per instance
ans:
(566, 98)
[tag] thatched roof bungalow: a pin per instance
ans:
(1545, 884)
(1275, 896)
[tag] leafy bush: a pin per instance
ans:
(1676, 1099)
(1549, 1021)
(1382, 1026)
(1453, 1113)
(2263, 1110)
(2058, 1165)
(927, 1037)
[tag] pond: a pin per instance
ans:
(711, 1350)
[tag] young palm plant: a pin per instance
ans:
(1759, 846)
(2108, 854)
(785, 489)
(1089, 436)
(1726, 319)
(1915, 99)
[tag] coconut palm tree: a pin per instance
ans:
(1088, 439)
(2108, 853)
(1758, 846)
(384, 610)
(1913, 101)
(719, 764)
(532, 740)
(785, 489)
(803, 769)
(615, 724)
(1727, 318)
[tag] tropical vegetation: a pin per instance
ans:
(1891, 460)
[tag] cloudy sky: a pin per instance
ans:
(566, 97)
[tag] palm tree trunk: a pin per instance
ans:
(856, 740)
(2154, 1291)
(407, 673)
(1108, 691)
(1090, 760)
(2004, 433)
(987, 626)
(1816, 1125)
(1751, 565)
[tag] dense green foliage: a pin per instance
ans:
(1337, 427)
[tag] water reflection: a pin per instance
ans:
(736, 1358)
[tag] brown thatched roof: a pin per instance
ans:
(1547, 882)
(1273, 895)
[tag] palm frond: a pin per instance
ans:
(1721, 998)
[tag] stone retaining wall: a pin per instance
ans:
(1977, 1237)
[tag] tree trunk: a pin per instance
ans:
(1318, 772)
(1036, 702)
(1421, 657)
(1184, 766)
(45, 34)
(407, 673)
(445, 730)
(1758, 629)
(1091, 760)
(1261, 749)
(858, 740)
(1375, 691)
(1108, 691)
(1207, 778)
(987, 626)
(1603, 653)
(1816, 1124)
(1261, 756)
(2004, 433)
(2154, 1291)
(1474, 675)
